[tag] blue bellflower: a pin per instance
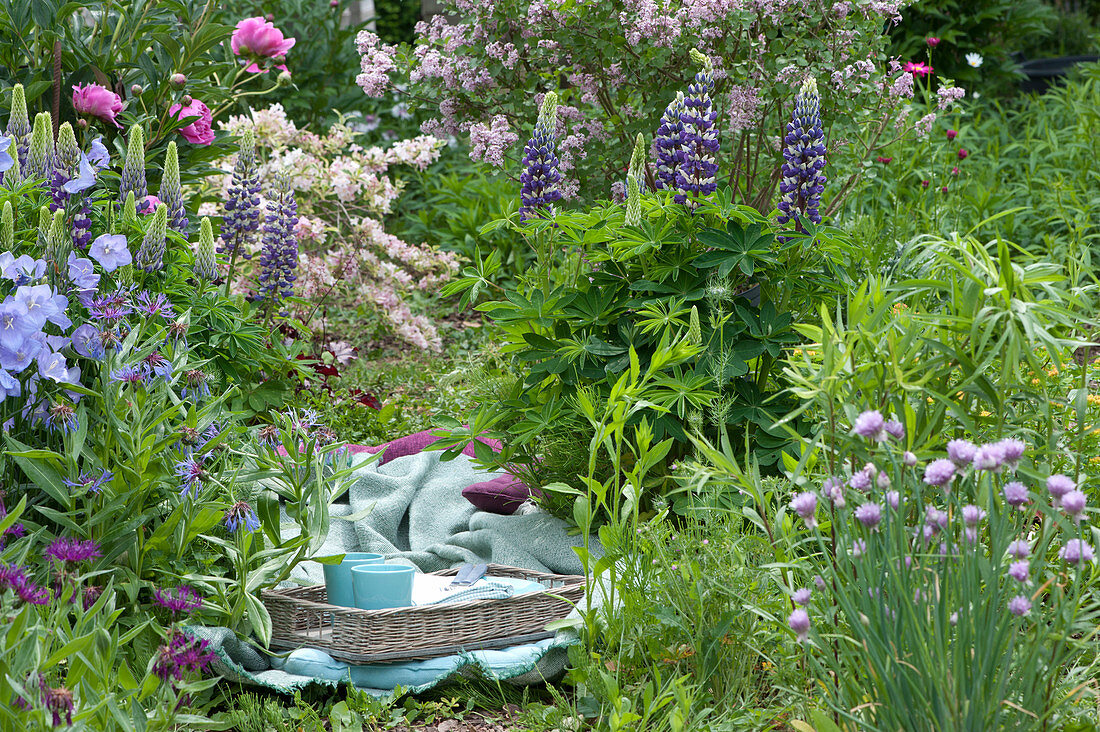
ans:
(111, 251)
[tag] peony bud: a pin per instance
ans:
(284, 78)
(186, 100)
(177, 80)
(136, 90)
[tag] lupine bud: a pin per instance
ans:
(633, 201)
(40, 156)
(541, 175)
(58, 245)
(696, 176)
(133, 170)
(695, 329)
(669, 142)
(150, 255)
(7, 228)
(206, 263)
(804, 158)
(637, 161)
(170, 194)
(68, 152)
(129, 209)
(241, 219)
(45, 221)
(19, 124)
(279, 258)
(13, 176)
(124, 275)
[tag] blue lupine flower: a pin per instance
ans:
(18, 358)
(191, 473)
(87, 342)
(669, 144)
(241, 220)
(804, 158)
(5, 157)
(84, 180)
(241, 516)
(93, 484)
(279, 257)
(110, 251)
(695, 176)
(541, 175)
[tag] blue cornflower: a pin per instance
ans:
(109, 308)
(241, 516)
(191, 473)
(151, 305)
(61, 417)
(195, 385)
(128, 375)
(93, 484)
(155, 364)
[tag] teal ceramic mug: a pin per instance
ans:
(338, 577)
(378, 586)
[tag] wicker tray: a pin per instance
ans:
(301, 617)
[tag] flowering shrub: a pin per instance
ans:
(624, 61)
(944, 580)
(343, 191)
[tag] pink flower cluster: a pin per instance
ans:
(376, 64)
(489, 142)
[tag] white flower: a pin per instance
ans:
(974, 59)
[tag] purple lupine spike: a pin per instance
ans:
(541, 175)
(669, 144)
(132, 179)
(695, 177)
(279, 258)
(82, 225)
(804, 159)
(241, 220)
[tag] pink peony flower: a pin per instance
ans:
(148, 204)
(199, 131)
(97, 101)
(260, 38)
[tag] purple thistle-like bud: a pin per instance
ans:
(65, 550)
(695, 177)
(241, 515)
(1020, 571)
(909, 459)
(1016, 493)
(241, 219)
(669, 144)
(801, 597)
(182, 653)
(803, 182)
(59, 702)
(15, 578)
(179, 601)
(279, 258)
(541, 175)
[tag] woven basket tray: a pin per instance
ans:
(301, 617)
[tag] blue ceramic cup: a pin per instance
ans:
(338, 577)
(378, 586)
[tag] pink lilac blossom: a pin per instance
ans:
(744, 107)
(489, 142)
(948, 96)
(376, 63)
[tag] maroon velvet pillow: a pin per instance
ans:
(503, 494)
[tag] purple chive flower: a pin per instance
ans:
(182, 653)
(541, 174)
(669, 144)
(909, 459)
(1074, 504)
(61, 417)
(695, 176)
(1020, 571)
(939, 472)
(153, 305)
(191, 473)
(1012, 450)
(241, 516)
(861, 479)
(859, 548)
(179, 601)
(1019, 549)
(819, 582)
(1019, 606)
(989, 457)
(803, 182)
(279, 257)
(66, 550)
(195, 384)
(1016, 494)
(805, 505)
(882, 480)
(869, 514)
(1075, 551)
(961, 452)
(1059, 485)
(241, 220)
(799, 622)
(833, 489)
(801, 597)
(972, 515)
(870, 425)
(111, 251)
(93, 484)
(893, 499)
(895, 429)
